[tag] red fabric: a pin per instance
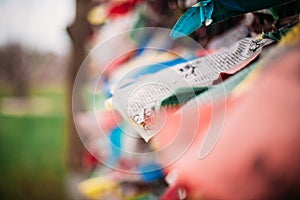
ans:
(118, 62)
(89, 161)
(172, 193)
(122, 8)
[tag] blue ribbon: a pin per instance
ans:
(193, 19)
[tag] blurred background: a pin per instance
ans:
(34, 60)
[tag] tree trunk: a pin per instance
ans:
(78, 32)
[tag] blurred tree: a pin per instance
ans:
(78, 32)
(14, 69)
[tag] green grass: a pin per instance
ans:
(32, 153)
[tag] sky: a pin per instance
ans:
(37, 24)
